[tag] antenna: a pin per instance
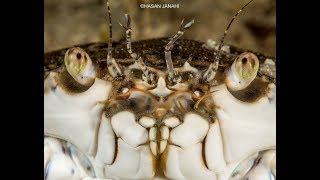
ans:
(112, 65)
(211, 72)
(110, 30)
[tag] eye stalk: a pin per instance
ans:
(79, 66)
(242, 72)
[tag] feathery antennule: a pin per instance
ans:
(147, 76)
(172, 75)
(210, 73)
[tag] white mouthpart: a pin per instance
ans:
(171, 122)
(153, 134)
(153, 147)
(147, 122)
(152, 138)
(163, 145)
(164, 130)
(126, 128)
(191, 131)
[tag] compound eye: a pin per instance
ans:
(76, 60)
(79, 65)
(242, 72)
(247, 66)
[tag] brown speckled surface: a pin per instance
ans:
(152, 52)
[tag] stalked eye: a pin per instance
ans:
(242, 72)
(79, 65)
(75, 61)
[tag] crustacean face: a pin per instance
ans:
(154, 112)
